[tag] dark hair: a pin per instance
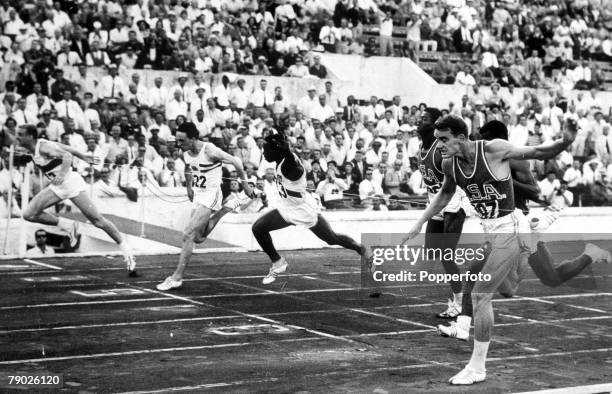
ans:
(453, 123)
(32, 131)
(434, 113)
(494, 129)
(190, 129)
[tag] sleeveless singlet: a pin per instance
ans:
(206, 172)
(49, 167)
(430, 166)
(491, 197)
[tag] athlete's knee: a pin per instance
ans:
(189, 235)
(29, 215)
(258, 227)
(552, 282)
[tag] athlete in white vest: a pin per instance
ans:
(55, 161)
(203, 176)
(296, 206)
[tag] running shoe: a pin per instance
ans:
(169, 283)
(74, 235)
(278, 267)
(468, 376)
(597, 254)
(454, 330)
(453, 310)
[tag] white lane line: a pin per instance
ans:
(204, 386)
(270, 292)
(53, 305)
(523, 321)
(587, 389)
(579, 389)
(391, 318)
(148, 351)
(42, 264)
(250, 315)
(119, 324)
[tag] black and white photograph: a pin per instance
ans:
(306, 196)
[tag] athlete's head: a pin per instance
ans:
(451, 132)
(27, 136)
(275, 147)
(494, 129)
(187, 136)
(426, 128)
(430, 115)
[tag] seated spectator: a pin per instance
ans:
(331, 190)
(369, 189)
(41, 248)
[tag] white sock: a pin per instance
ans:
(479, 356)
(464, 321)
(125, 248)
(64, 224)
(458, 298)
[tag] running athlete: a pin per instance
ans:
(541, 262)
(489, 188)
(448, 221)
(55, 161)
(203, 161)
(295, 207)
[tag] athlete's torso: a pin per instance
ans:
(491, 197)
(49, 166)
(430, 166)
(206, 173)
(291, 192)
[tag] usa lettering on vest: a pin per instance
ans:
(428, 174)
(488, 192)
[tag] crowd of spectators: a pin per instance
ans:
(358, 151)
(507, 42)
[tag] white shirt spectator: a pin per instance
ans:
(261, 98)
(68, 59)
(518, 135)
(321, 113)
(367, 189)
(158, 96)
(331, 191)
(573, 177)
(416, 183)
(387, 127)
(465, 79)
(111, 87)
(37, 252)
(175, 108)
(547, 187)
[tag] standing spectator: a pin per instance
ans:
(112, 85)
(385, 35)
(462, 38)
(573, 178)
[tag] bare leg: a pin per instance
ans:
(542, 264)
(35, 209)
(199, 221)
(85, 205)
(324, 231)
(262, 227)
(212, 222)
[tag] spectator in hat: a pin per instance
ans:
(261, 68)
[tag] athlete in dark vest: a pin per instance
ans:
(450, 220)
(541, 262)
(482, 170)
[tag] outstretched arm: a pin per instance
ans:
(540, 152)
(441, 199)
(218, 154)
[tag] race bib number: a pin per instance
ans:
(488, 210)
(198, 181)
